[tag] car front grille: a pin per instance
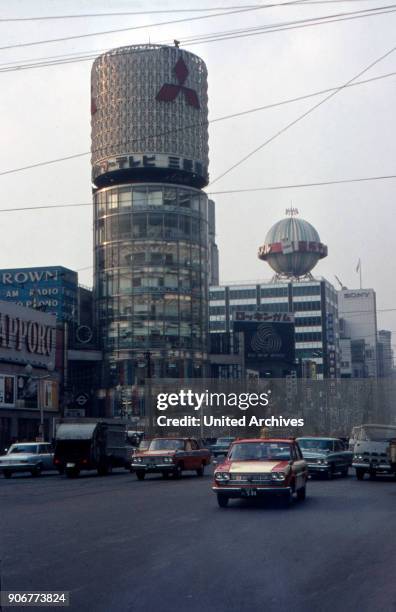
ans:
(375, 458)
(250, 478)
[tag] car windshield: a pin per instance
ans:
(377, 434)
(225, 440)
(163, 444)
(23, 448)
(309, 444)
(260, 451)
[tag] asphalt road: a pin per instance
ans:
(122, 545)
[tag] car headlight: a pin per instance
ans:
(279, 476)
(168, 459)
(137, 460)
(358, 457)
(222, 476)
(322, 461)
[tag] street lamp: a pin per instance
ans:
(120, 406)
(28, 371)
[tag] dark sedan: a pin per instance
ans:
(221, 447)
(326, 456)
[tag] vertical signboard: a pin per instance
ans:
(7, 391)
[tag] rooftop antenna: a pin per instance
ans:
(177, 43)
(339, 282)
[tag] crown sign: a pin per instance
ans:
(169, 91)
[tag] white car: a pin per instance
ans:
(33, 457)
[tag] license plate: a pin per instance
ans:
(70, 465)
(250, 492)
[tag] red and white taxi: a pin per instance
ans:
(256, 467)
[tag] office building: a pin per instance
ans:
(313, 303)
(357, 309)
(151, 257)
(385, 353)
(29, 373)
(51, 289)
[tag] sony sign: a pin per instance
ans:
(357, 294)
(27, 335)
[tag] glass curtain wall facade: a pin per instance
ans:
(314, 304)
(151, 263)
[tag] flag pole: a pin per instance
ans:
(360, 272)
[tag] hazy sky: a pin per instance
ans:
(45, 115)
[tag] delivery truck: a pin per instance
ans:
(90, 444)
(373, 450)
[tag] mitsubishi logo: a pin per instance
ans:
(169, 92)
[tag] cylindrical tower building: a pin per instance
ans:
(149, 164)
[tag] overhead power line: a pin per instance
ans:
(45, 163)
(302, 116)
(145, 26)
(202, 123)
(213, 193)
(305, 185)
(163, 11)
(296, 22)
(70, 58)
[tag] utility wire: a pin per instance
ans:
(203, 123)
(303, 185)
(213, 193)
(163, 11)
(145, 26)
(302, 116)
(58, 60)
(307, 24)
(296, 22)
(46, 163)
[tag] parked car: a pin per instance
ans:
(221, 447)
(261, 467)
(170, 456)
(326, 456)
(33, 457)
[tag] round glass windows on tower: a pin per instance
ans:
(151, 261)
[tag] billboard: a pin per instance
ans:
(268, 336)
(24, 392)
(149, 116)
(50, 289)
(7, 391)
(27, 335)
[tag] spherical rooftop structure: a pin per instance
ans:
(292, 247)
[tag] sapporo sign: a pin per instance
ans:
(27, 335)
